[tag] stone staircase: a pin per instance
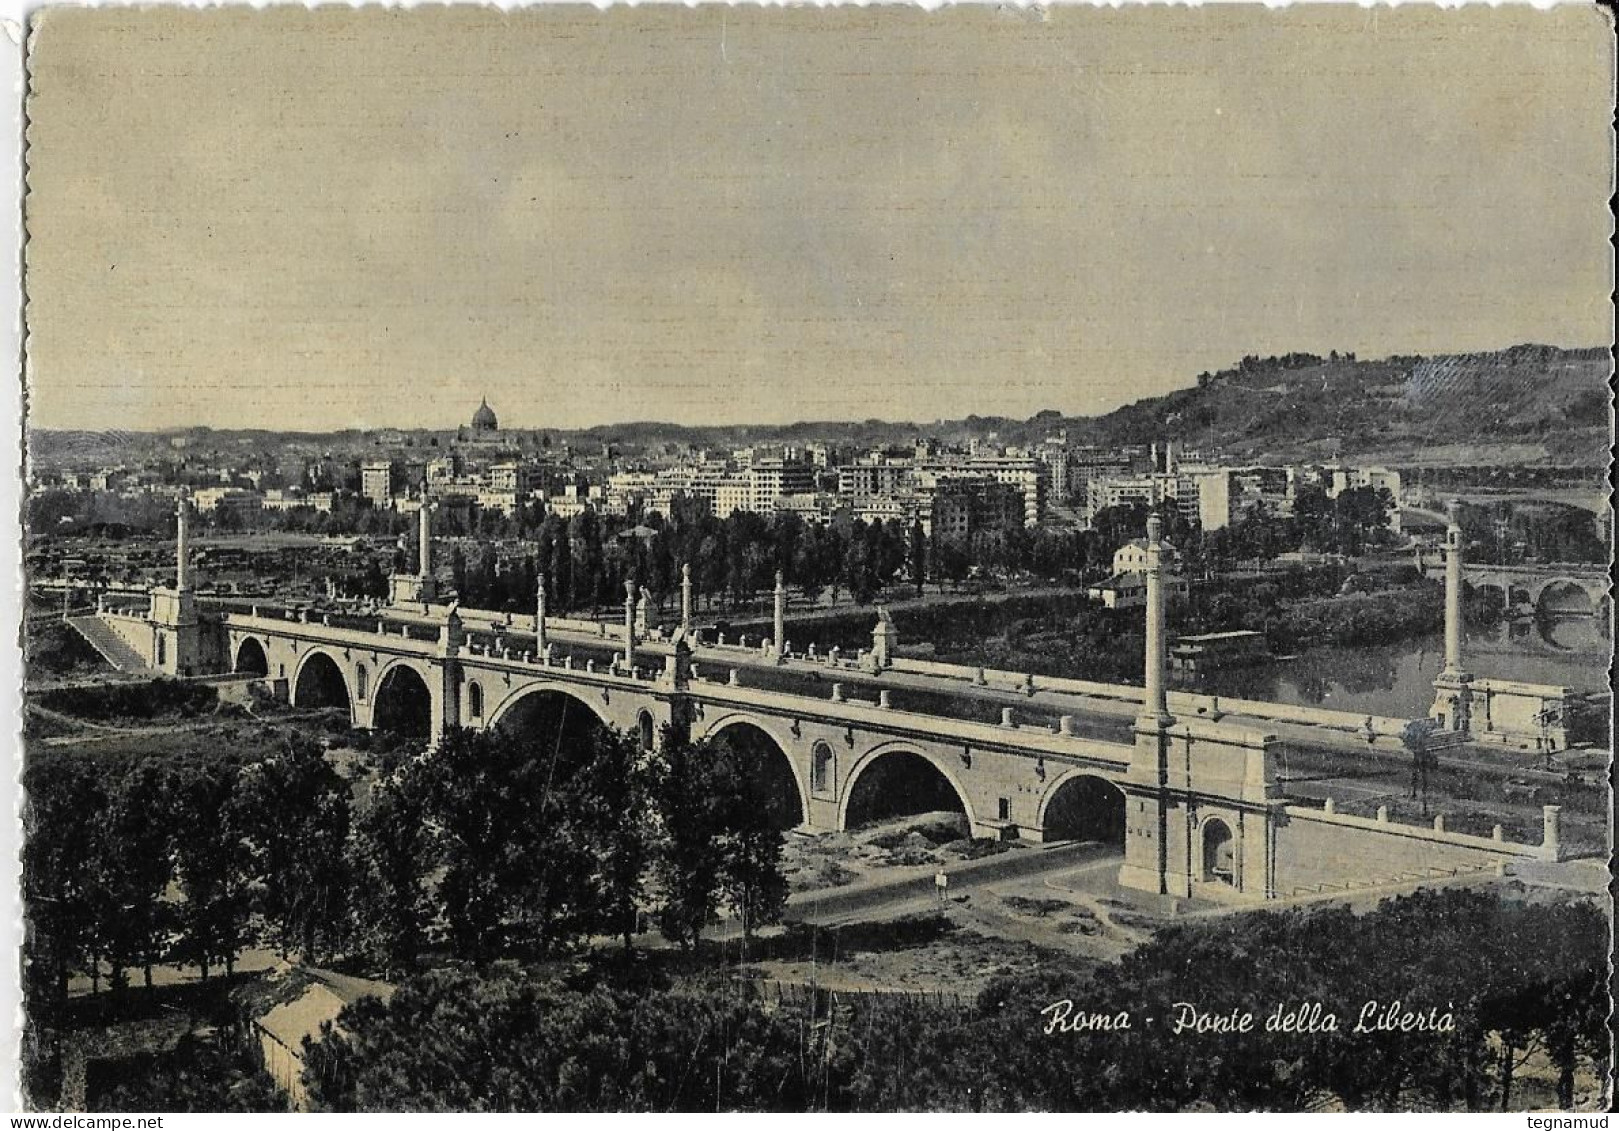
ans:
(102, 637)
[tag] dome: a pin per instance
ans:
(484, 419)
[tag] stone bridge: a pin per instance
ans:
(1187, 792)
(1027, 779)
(1564, 590)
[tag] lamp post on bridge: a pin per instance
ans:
(779, 645)
(539, 615)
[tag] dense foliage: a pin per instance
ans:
(491, 843)
(141, 700)
(1532, 984)
(201, 1073)
(242, 840)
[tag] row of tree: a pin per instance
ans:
(1502, 981)
(131, 861)
(491, 842)
(505, 844)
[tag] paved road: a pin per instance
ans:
(833, 905)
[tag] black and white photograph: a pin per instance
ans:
(726, 558)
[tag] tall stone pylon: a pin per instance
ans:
(424, 538)
(176, 639)
(1453, 693)
(1155, 703)
(629, 624)
(1149, 806)
(1453, 592)
(182, 545)
(685, 599)
(408, 588)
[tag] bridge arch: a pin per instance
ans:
(319, 681)
(753, 735)
(402, 701)
(1083, 805)
(1494, 591)
(899, 760)
(501, 711)
(1565, 596)
(251, 658)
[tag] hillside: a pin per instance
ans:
(1528, 404)
(1525, 406)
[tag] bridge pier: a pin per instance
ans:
(1199, 812)
(1197, 818)
(444, 688)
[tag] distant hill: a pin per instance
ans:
(1512, 403)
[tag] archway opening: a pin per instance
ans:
(1219, 853)
(555, 726)
(1086, 808)
(250, 658)
(764, 771)
(646, 731)
(1565, 599)
(404, 706)
(321, 684)
(823, 768)
(899, 783)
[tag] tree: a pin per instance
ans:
(296, 812)
(618, 784)
(132, 840)
(63, 799)
(511, 828)
(211, 862)
(392, 859)
(750, 875)
(690, 863)
(919, 556)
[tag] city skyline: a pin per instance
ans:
(745, 219)
(452, 423)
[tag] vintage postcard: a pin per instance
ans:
(803, 560)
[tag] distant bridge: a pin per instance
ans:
(1561, 589)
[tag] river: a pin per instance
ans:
(1397, 679)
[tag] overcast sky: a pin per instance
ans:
(339, 218)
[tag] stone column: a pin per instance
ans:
(1155, 704)
(629, 624)
(685, 598)
(780, 643)
(424, 538)
(182, 545)
(539, 615)
(1453, 595)
(1453, 693)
